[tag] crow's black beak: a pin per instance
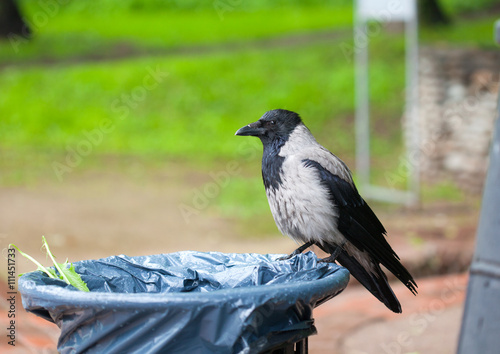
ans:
(253, 129)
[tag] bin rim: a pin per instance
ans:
(59, 295)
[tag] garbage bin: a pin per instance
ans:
(185, 302)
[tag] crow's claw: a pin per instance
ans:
(285, 258)
(297, 251)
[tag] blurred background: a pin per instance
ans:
(117, 123)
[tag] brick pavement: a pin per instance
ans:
(357, 323)
(33, 334)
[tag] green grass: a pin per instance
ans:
(194, 111)
(457, 7)
(444, 190)
(48, 111)
(197, 106)
(67, 35)
(473, 32)
(109, 28)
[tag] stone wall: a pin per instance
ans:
(458, 98)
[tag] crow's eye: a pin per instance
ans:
(272, 122)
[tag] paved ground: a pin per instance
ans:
(356, 323)
(99, 216)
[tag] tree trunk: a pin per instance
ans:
(11, 22)
(431, 13)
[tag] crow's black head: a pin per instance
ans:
(277, 124)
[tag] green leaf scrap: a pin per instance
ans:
(73, 277)
(65, 271)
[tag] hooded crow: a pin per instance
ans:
(313, 200)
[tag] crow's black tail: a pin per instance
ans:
(375, 283)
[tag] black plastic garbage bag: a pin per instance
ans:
(185, 302)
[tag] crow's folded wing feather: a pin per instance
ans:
(359, 224)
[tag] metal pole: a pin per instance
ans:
(366, 10)
(480, 332)
(362, 103)
(412, 118)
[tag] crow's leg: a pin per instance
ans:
(297, 251)
(334, 255)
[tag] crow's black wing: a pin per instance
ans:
(359, 224)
